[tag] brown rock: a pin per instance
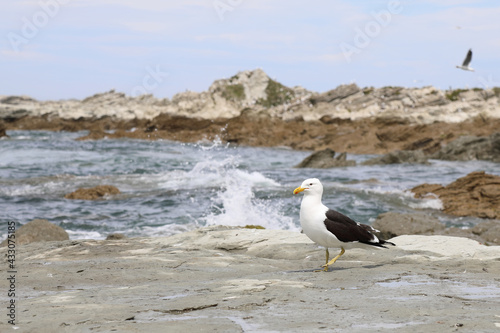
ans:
(93, 193)
(426, 190)
(3, 132)
(477, 194)
(39, 231)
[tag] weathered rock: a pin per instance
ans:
(427, 144)
(116, 236)
(400, 156)
(489, 231)
(238, 280)
(393, 224)
(340, 92)
(469, 147)
(3, 133)
(14, 100)
(93, 193)
(38, 231)
(226, 98)
(426, 191)
(324, 159)
(477, 194)
(252, 109)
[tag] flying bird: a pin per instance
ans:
(330, 228)
(465, 65)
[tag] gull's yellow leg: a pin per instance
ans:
(331, 262)
(327, 258)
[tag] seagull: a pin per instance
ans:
(330, 228)
(465, 64)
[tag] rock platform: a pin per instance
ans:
(226, 279)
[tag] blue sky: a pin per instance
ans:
(60, 49)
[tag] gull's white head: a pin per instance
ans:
(310, 186)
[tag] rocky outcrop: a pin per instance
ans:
(3, 133)
(489, 231)
(227, 98)
(477, 194)
(116, 236)
(393, 224)
(252, 109)
(398, 157)
(416, 105)
(38, 231)
(336, 94)
(94, 193)
(325, 159)
(469, 147)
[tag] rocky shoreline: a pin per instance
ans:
(252, 109)
(252, 280)
(256, 92)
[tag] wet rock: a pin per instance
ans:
(393, 224)
(116, 236)
(93, 193)
(324, 159)
(477, 194)
(427, 144)
(489, 231)
(394, 133)
(470, 147)
(38, 231)
(400, 156)
(3, 133)
(426, 191)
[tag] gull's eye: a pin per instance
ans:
(311, 184)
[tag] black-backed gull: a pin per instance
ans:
(465, 65)
(330, 228)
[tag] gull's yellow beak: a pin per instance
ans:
(298, 190)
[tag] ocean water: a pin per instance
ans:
(169, 187)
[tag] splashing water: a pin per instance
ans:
(169, 187)
(234, 202)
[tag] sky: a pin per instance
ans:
(62, 49)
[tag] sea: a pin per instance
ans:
(170, 187)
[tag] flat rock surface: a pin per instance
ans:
(222, 279)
